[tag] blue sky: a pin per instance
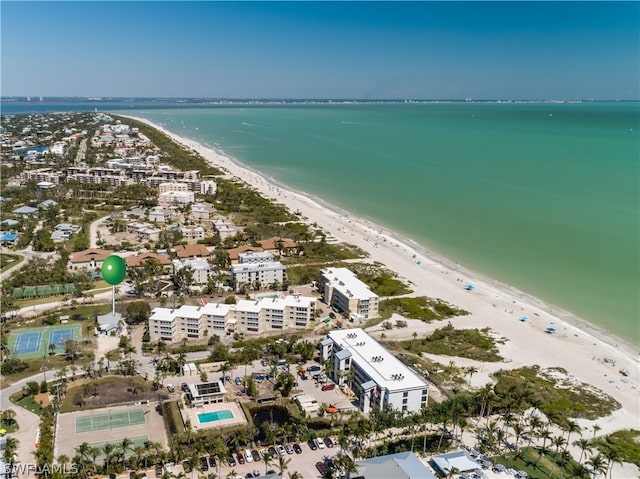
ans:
(361, 50)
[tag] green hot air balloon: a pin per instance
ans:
(114, 269)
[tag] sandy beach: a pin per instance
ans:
(576, 345)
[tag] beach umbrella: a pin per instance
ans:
(551, 330)
(469, 287)
(523, 318)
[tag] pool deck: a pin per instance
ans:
(237, 419)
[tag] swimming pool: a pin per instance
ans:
(215, 416)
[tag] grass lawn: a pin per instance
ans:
(26, 402)
(13, 427)
(9, 260)
(537, 466)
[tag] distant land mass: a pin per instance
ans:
(222, 101)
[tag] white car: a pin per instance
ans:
(247, 455)
(320, 443)
(281, 450)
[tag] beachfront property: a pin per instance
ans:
(258, 316)
(344, 291)
(254, 257)
(263, 275)
(50, 175)
(234, 253)
(278, 245)
(460, 461)
(374, 374)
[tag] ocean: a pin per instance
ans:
(544, 197)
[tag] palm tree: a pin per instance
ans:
(584, 445)
(268, 458)
(10, 448)
(295, 475)
(558, 442)
(346, 464)
(595, 428)
(108, 452)
(125, 445)
(612, 456)
(598, 464)
(471, 370)
(8, 416)
(283, 464)
(572, 426)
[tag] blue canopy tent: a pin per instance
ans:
(550, 330)
(524, 318)
(469, 287)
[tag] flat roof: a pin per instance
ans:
(381, 366)
(346, 281)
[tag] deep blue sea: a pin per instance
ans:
(541, 196)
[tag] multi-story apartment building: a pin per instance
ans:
(344, 291)
(267, 274)
(258, 316)
(374, 374)
(252, 257)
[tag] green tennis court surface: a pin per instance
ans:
(135, 442)
(96, 422)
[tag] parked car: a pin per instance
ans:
(328, 387)
(186, 465)
(170, 388)
(272, 452)
(312, 444)
(184, 387)
(231, 461)
(288, 448)
(256, 455)
(320, 443)
(212, 462)
(322, 468)
(297, 449)
(314, 367)
(203, 463)
(281, 450)
(240, 458)
(238, 380)
(328, 442)
(248, 455)
(332, 315)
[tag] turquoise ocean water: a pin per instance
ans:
(543, 197)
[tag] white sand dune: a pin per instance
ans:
(576, 345)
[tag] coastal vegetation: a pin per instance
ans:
(558, 395)
(176, 155)
(621, 445)
(422, 308)
(464, 343)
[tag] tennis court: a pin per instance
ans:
(59, 336)
(135, 442)
(111, 420)
(27, 343)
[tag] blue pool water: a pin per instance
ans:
(215, 416)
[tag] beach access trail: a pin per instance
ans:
(575, 345)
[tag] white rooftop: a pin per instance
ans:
(265, 266)
(382, 366)
(345, 281)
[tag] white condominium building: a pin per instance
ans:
(266, 274)
(258, 316)
(176, 198)
(172, 186)
(346, 292)
(374, 374)
(250, 257)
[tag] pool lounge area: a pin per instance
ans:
(217, 415)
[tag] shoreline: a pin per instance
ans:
(492, 304)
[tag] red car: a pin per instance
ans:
(328, 387)
(240, 458)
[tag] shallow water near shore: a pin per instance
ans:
(543, 197)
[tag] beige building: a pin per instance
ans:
(344, 291)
